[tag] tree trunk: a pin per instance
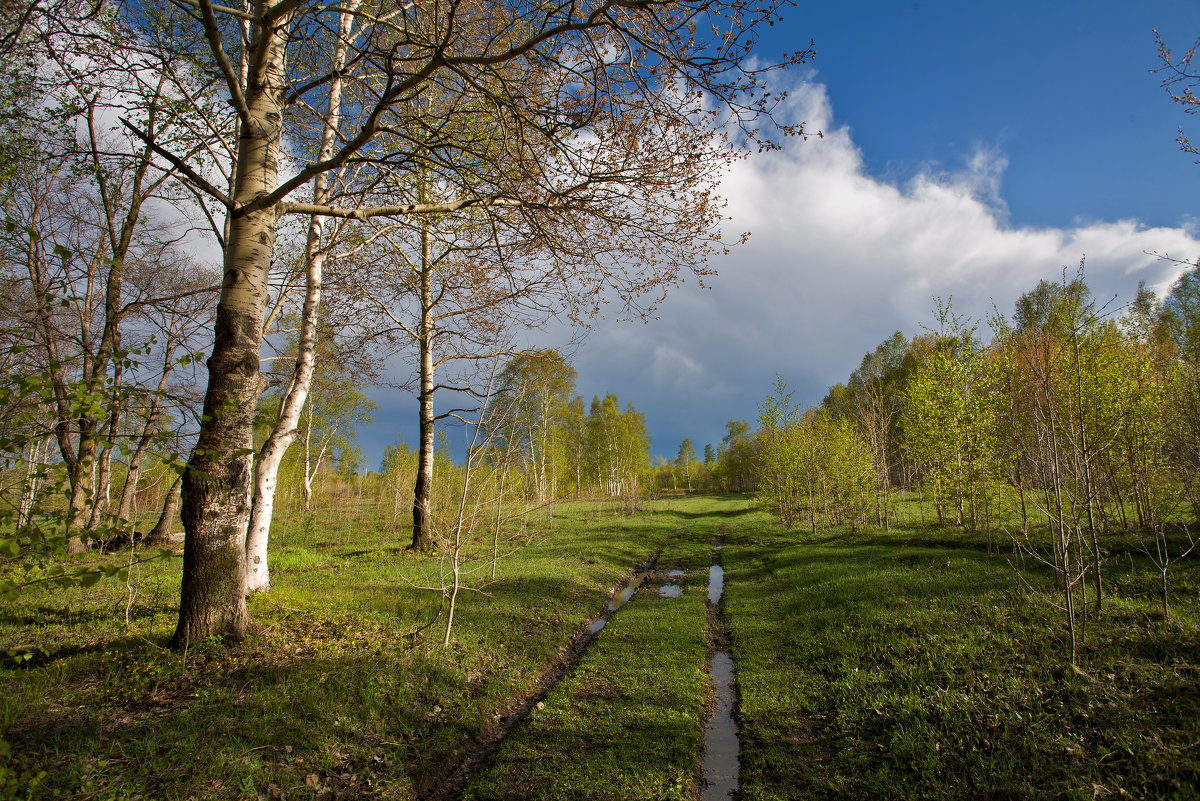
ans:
(217, 480)
(100, 499)
(423, 490)
(266, 475)
(162, 529)
(128, 491)
(124, 512)
(80, 474)
(1086, 458)
(38, 449)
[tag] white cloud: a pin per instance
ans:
(837, 261)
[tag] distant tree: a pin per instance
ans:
(839, 401)
(685, 459)
(349, 460)
(1050, 306)
(328, 425)
(780, 454)
(1181, 315)
(1181, 321)
(399, 467)
(735, 458)
(527, 413)
(949, 420)
(877, 388)
(618, 446)
(574, 437)
(844, 471)
(814, 465)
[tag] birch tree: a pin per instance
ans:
(618, 446)
(531, 397)
(686, 460)
(779, 465)
(617, 119)
(287, 427)
(949, 420)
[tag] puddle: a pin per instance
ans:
(621, 598)
(720, 735)
(670, 591)
(716, 584)
(618, 600)
(676, 573)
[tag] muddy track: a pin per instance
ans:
(475, 754)
(720, 765)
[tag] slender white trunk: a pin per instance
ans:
(266, 474)
(423, 489)
(37, 450)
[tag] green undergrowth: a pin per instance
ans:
(906, 665)
(346, 691)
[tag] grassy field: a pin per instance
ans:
(626, 723)
(910, 665)
(907, 664)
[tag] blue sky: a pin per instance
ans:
(971, 149)
(1063, 89)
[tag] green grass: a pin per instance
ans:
(335, 693)
(869, 664)
(872, 667)
(626, 722)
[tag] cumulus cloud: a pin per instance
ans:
(838, 260)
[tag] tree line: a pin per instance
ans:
(1075, 419)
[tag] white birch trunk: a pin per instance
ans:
(422, 538)
(266, 474)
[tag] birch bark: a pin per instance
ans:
(266, 475)
(422, 538)
(217, 481)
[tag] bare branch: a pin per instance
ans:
(180, 165)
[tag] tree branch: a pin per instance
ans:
(400, 211)
(212, 33)
(180, 165)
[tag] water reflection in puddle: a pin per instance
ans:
(676, 573)
(720, 736)
(618, 600)
(670, 590)
(716, 584)
(621, 598)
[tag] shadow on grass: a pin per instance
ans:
(291, 711)
(348, 720)
(39, 658)
(62, 614)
